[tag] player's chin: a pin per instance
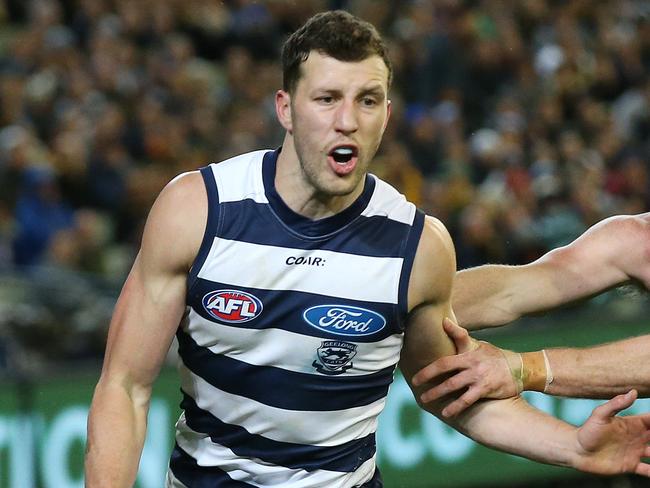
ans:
(343, 185)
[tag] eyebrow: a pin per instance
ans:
(376, 91)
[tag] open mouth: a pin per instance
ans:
(343, 159)
(343, 154)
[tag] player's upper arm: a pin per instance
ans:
(608, 254)
(429, 300)
(632, 250)
(152, 300)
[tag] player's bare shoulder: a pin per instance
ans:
(434, 266)
(177, 220)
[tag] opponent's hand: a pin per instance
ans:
(611, 445)
(479, 367)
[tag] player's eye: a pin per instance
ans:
(368, 102)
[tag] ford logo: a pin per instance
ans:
(344, 320)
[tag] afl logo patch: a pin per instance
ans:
(232, 306)
(344, 320)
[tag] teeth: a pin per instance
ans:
(344, 151)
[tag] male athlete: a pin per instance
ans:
(611, 253)
(299, 281)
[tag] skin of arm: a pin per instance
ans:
(146, 316)
(605, 444)
(612, 252)
(480, 370)
(610, 369)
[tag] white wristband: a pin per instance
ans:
(549, 371)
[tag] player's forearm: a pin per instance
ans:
(116, 431)
(602, 371)
(513, 426)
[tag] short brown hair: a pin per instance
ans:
(336, 33)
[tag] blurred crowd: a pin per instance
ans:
(519, 123)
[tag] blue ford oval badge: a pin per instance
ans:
(344, 320)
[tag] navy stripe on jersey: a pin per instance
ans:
(210, 226)
(281, 388)
(284, 310)
(345, 458)
(411, 247)
(367, 236)
(188, 472)
(300, 223)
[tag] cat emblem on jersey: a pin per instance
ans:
(334, 357)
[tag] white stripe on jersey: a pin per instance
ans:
(262, 474)
(262, 266)
(328, 428)
(172, 481)
(244, 174)
(388, 202)
(284, 349)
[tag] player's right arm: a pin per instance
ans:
(145, 319)
(610, 253)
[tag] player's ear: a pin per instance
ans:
(283, 109)
(389, 110)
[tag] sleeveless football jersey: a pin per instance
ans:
(292, 333)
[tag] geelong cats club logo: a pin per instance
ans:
(232, 306)
(334, 357)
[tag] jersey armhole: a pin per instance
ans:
(410, 249)
(210, 226)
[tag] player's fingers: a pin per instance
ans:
(642, 468)
(615, 405)
(459, 335)
(443, 365)
(466, 400)
(645, 418)
(448, 386)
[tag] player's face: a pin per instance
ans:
(339, 111)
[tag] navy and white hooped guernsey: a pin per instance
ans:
(291, 335)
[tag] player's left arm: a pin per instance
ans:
(605, 444)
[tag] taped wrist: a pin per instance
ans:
(549, 371)
(516, 366)
(536, 371)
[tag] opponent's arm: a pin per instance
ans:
(482, 370)
(608, 254)
(601, 371)
(605, 444)
(145, 319)
(612, 252)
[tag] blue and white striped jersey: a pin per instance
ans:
(292, 333)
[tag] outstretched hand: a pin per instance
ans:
(478, 367)
(612, 445)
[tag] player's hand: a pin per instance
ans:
(611, 445)
(478, 367)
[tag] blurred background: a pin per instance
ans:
(519, 123)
